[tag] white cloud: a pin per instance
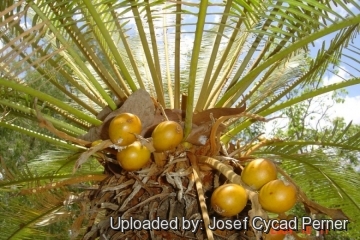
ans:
(348, 109)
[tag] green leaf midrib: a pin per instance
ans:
(246, 81)
(44, 97)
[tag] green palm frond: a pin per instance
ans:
(62, 161)
(323, 155)
(42, 209)
(31, 113)
(315, 70)
(44, 97)
(327, 185)
(24, 220)
(52, 140)
(26, 181)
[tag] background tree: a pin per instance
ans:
(311, 121)
(91, 57)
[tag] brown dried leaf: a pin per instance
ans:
(199, 134)
(204, 116)
(104, 113)
(77, 224)
(174, 114)
(314, 207)
(85, 155)
(216, 130)
(203, 127)
(138, 103)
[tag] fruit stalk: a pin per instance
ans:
(224, 169)
(201, 195)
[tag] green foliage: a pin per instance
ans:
(324, 148)
(20, 148)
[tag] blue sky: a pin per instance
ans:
(352, 100)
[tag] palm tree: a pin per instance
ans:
(215, 67)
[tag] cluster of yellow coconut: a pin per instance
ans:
(228, 200)
(124, 130)
(275, 195)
